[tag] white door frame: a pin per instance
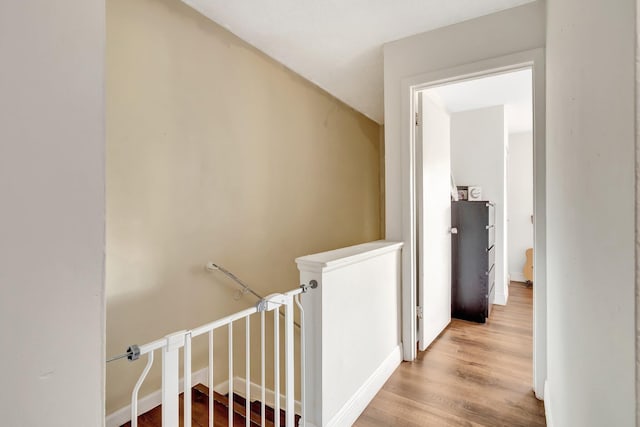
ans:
(534, 59)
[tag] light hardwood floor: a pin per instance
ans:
(472, 375)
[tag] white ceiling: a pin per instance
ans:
(513, 90)
(337, 44)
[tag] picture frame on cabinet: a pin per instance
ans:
(463, 192)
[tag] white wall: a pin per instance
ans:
(519, 202)
(352, 326)
(52, 212)
(437, 52)
(513, 30)
(477, 158)
(590, 163)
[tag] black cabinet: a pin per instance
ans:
(472, 260)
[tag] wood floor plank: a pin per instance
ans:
(472, 375)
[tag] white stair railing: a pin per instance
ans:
(171, 345)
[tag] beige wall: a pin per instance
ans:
(216, 152)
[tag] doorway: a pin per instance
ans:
(533, 61)
(477, 133)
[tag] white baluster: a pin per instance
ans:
(211, 401)
(303, 367)
(289, 363)
(262, 368)
(136, 389)
(187, 380)
(247, 389)
(230, 401)
(170, 379)
(276, 364)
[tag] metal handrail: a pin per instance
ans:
(246, 288)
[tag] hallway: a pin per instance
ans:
(472, 375)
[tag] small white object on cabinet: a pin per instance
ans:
(475, 193)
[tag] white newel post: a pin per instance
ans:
(352, 328)
(171, 379)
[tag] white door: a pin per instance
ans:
(433, 185)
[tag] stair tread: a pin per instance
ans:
(200, 411)
(238, 408)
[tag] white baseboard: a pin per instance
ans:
(500, 299)
(518, 277)
(150, 401)
(239, 388)
(363, 396)
(547, 405)
(502, 294)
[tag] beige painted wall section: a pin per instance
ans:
(216, 152)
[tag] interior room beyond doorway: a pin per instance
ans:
(476, 138)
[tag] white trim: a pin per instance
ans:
(500, 299)
(352, 409)
(547, 405)
(410, 86)
(340, 258)
(540, 223)
(517, 277)
(534, 59)
(150, 401)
